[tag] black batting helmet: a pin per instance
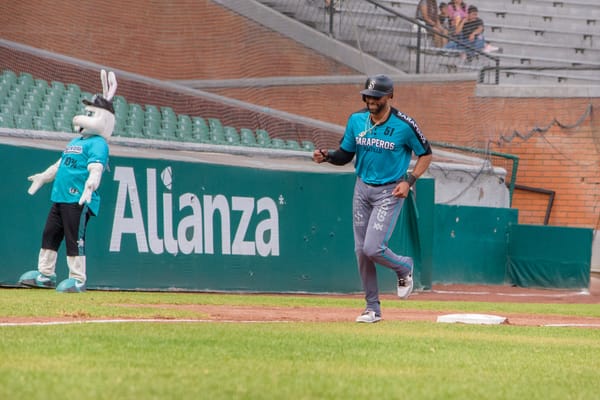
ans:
(378, 86)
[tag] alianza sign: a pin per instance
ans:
(183, 223)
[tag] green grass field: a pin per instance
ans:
(286, 360)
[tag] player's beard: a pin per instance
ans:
(376, 108)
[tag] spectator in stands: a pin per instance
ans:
(469, 34)
(427, 11)
(444, 19)
(457, 11)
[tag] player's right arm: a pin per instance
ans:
(336, 157)
(340, 156)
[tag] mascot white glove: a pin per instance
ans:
(92, 182)
(38, 180)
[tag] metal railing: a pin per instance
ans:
(389, 35)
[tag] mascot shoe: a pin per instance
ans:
(35, 279)
(71, 285)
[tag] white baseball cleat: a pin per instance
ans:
(405, 286)
(369, 317)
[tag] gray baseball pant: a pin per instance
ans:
(376, 212)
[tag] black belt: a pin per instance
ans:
(381, 184)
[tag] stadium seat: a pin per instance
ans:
(63, 124)
(200, 129)
(32, 102)
(9, 77)
(167, 132)
(23, 121)
(217, 137)
(25, 80)
(6, 120)
(278, 143)
(247, 137)
(292, 144)
(135, 113)
(307, 145)
(151, 128)
(167, 113)
(41, 84)
(231, 135)
(262, 133)
(57, 87)
(184, 127)
(215, 127)
(43, 122)
(134, 128)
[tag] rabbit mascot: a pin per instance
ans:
(74, 199)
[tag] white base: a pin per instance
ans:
(481, 319)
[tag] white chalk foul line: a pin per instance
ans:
(574, 325)
(119, 321)
(569, 294)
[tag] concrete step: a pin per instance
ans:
(527, 34)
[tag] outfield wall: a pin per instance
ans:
(177, 220)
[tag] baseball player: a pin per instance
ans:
(383, 140)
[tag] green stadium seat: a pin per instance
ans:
(247, 137)
(292, 144)
(4, 89)
(57, 87)
(263, 141)
(41, 84)
(120, 102)
(151, 129)
(25, 80)
(217, 137)
(277, 143)
(43, 122)
(214, 125)
(63, 124)
(23, 121)
(200, 130)
(263, 138)
(167, 113)
(11, 105)
(134, 121)
(134, 128)
(73, 89)
(167, 130)
(307, 145)
(6, 120)
(262, 134)
(231, 135)
(184, 127)
(9, 76)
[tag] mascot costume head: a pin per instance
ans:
(76, 177)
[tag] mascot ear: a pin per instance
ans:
(109, 84)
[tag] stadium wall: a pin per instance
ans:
(194, 222)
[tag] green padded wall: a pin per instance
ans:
(470, 244)
(550, 256)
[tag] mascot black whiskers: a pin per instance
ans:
(76, 177)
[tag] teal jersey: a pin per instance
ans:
(72, 173)
(383, 152)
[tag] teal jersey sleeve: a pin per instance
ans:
(72, 172)
(383, 151)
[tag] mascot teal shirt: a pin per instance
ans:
(383, 152)
(72, 173)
